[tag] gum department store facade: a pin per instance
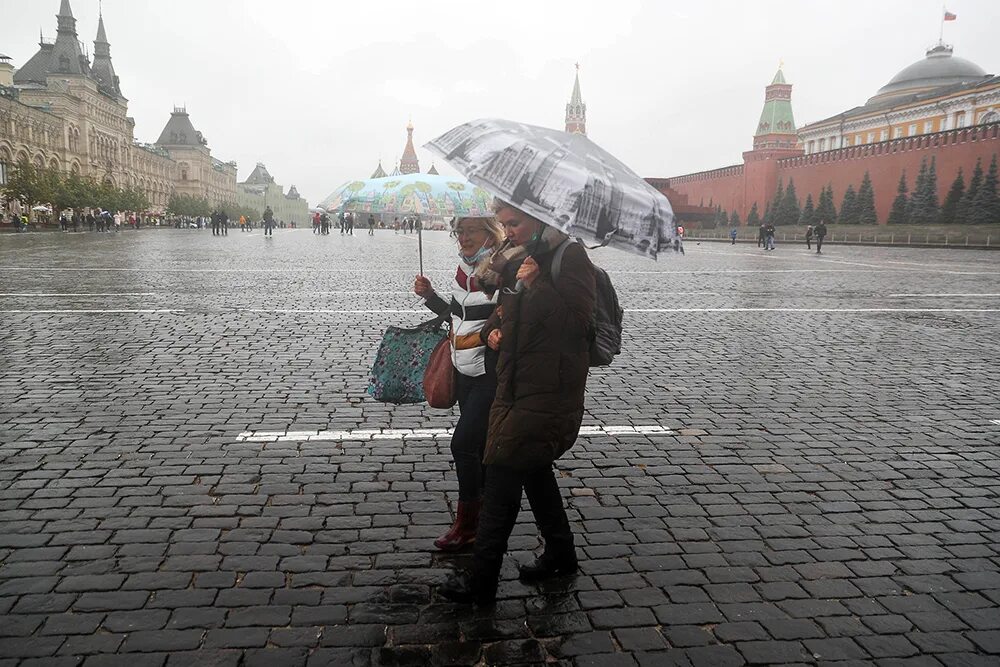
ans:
(59, 110)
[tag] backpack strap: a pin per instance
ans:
(557, 258)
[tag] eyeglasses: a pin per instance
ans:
(461, 231)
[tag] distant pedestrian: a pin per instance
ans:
(733, 233)
(769, 237)
(224, 223)
(371, 225)
(90, 220)
(809, 237)
(761, 234)
(324, 224)
(350, 223)
(820, 232)
(268, 222)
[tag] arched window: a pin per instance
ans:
(989, 117)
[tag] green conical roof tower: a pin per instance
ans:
(776, 128)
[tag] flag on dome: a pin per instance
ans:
(948, 16)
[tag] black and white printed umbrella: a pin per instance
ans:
(565, 180)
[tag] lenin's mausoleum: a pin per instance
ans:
(941, 106)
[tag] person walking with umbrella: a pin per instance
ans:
(550, 325)
(542, 337)
(469, 308)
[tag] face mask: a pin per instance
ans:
(482, 252)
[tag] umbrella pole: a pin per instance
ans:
(420, 246)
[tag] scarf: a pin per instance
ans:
(490, 274)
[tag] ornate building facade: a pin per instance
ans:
(940, 106)
(260, 191)
(60, 110)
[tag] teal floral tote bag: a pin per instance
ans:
(397, 375)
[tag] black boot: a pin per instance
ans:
(478, 587)
(548, 566)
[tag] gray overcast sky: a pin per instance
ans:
(320, 90)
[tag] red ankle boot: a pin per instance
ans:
(463, 531)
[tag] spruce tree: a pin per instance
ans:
(918, 200)
(950, 208)
(986, 206)
(734, 219)
(720, 217)
(924, 203)
(865, 205)
(900, 214)
(931, 196)
(825, 210)
(772, 216)
(849, 207)
(808, 212)
(788, 209)
(965, 206)
(753, 218)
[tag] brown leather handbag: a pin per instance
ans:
(439, 376)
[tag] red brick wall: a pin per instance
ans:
(739, 186)
(720, 187)
(885, 162)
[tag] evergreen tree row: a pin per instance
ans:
(979, 203)
(975, 203)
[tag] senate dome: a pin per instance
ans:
(939, 68)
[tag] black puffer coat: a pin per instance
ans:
(543, 362)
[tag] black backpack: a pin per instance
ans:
(606, 326)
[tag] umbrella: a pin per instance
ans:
(41, 208)
(317, 209)
(565, 180)
(419, 194)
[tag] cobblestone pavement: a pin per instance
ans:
(795, 460)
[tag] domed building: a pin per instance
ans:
(937, 93)
(941, 110)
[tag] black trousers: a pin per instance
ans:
(819, 243)
(501, 505)
(475, 396)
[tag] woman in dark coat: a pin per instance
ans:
(542, 332)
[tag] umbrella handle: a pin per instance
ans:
(420, 247)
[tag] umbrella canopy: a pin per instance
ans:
(420, 194)
(316, 209)
(564, 180)
(41, 208)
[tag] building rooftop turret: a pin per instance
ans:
(180, 132)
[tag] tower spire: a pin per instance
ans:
(576, 110)
(409, 164)
(776, 128)
(102, 70)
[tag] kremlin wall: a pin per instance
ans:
(941, 106)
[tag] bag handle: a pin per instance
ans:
(436, 323)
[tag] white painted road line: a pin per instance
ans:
(153, 269)
(421, 434)
(943, 295)
(58, 294)
(325, 311)
(107, 310)
(812, 310)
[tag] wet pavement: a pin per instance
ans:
(794, 460)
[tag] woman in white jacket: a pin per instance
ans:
(476, 383)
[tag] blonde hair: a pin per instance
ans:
(493, 228)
